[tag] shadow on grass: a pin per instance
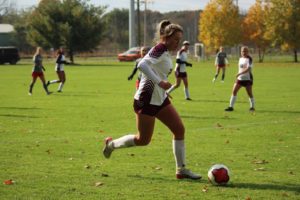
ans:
(161, 178)
(205, 117)
(280, 111)
(254, 186)
(20, 116)
(18, 108)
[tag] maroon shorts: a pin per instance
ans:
(147, 109)
(180, 74)
(37, 74)
(244, 83)
(221, 66)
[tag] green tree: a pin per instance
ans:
(219, 24)
(283, 24)
(74, 24)
(254, 28)
(116, 27)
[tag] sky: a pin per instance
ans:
(157, 5)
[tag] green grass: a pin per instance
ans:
(50, 145)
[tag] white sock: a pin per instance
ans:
(171, 89)
(54, 81)
(122, 142)
(251, 100)
(179, 153)
(232, 101)
(60, 86)
(187, 93)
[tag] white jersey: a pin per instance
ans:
(182, 55)
(159, 61)
(60, 66)
(243, 64)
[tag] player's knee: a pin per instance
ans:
(142, 141)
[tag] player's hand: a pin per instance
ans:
(165, 85)
(130, 78)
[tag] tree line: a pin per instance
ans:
(81, 27)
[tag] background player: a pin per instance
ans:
(37, 70)
(180, 70)
(244, 79)
(221, 62)
(144, 51)
(59, 68)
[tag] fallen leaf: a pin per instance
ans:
(98, 184)
(260, 162)
(8, 182)
(260, 169)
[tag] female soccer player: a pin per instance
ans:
(220, 63)
(244, 79)
(144, 51)
(37, 70)
(180, 70)
(151, 101)
(59, 68)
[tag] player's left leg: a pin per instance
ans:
(186, 88)
(62, 78)
(251, 98)
(176, 85)
(169, 116)
(223, 73)
(42, 77)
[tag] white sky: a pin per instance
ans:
(158, 5)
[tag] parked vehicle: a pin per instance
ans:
(131, 54)
(9, 55)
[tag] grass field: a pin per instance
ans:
(51, 145)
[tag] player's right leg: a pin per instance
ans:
(145, 126)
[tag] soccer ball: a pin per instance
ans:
(218, 174)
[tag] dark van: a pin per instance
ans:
(9, 55)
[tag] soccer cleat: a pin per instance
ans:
(48, 93)
(229, 109)
(222, 81)
(108, 149)
(29, 93)
(214, 79)
(252, 109)
(59, 90)
(185, 173)
(189, 99)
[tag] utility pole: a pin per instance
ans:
(138, 23)
(132, 37)
(145, 23)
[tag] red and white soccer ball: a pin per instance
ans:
(218, 174)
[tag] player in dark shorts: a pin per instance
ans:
(151, 101)
(37, 71)
(244, 79)
(221, 62)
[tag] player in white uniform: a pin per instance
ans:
(151, 100)
(59, 68)
(244, 79)
(180, 70)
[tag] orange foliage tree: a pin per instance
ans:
(254, 28)
(283, 24)
(219, 25)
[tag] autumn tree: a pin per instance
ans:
(219, 24)
(254, 28)
(283, 24)
(74, 24)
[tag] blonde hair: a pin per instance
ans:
(166, 29)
